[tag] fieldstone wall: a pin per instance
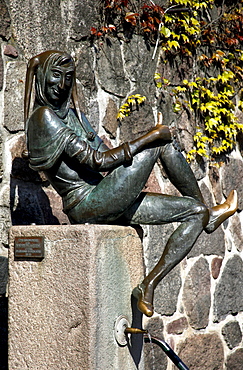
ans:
(199, 304)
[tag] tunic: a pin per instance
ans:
(54, 145)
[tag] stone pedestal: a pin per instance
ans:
(62, 308)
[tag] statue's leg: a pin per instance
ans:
(179, 172)
(158, 209)
(117, 191)
(181, 175)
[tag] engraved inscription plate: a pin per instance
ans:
(29, 247)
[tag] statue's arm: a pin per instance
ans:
(110, 159)
(54, 138)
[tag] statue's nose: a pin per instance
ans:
(61, 84)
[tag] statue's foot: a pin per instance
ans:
(144, 306)
(220, 213)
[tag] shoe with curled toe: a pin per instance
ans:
(220, 213)
(143, 306)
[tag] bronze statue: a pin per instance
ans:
(61, 142)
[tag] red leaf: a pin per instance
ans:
(131, 18)
(93, 31)
(232, 41)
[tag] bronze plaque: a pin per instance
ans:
(29, 247)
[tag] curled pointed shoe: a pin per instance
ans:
(143, 306)
(220, 213)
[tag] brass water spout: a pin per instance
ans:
(122, 328)
(135, 331)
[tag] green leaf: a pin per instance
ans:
(177, 107)
(157, 76)
(165, 31)
(174, 44)
(180, 88)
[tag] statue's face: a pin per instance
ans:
(59, 81)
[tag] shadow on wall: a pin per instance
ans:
(3, 333)
(29, 203)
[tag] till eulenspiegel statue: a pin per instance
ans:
(61, 142)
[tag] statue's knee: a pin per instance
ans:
(201, 211)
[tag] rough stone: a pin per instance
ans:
(232, 174)
(177, 326)
(71, 20)
(199, 352)
(169, 188)
(10, 51)
(235, 360)
(158, 236)
(214, 176)
(165, 104)
(137, 124)
(110, 121)
(5, 20)
(196, 294)
(1, 156)
(5, 223)
(13, 96)
(216, 266)
(114, 81)
(237, 232)
(152, 184)
(107, 141)
(28, 20)
(1, 72)
(81, 17)
(182, 122)
(232, 334)
(199, 168)
(87, 86)
(154, 357)
(62, 309)
(206, 193)
(185, 132)
(93, 114)
(17, 145)
(208, 244)
(136, 56)
(229, 290)
(166, 293)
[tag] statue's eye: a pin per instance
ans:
(56, 74)
(68, 77)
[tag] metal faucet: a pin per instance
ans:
(135, 331)
(122, 328)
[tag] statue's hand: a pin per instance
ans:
(158, 135)
(162, 132)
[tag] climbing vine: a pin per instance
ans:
(208, 35)
(211, 94)
(132, 102)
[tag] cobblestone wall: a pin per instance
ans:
(199, 305)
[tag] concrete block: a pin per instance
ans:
(62, 308)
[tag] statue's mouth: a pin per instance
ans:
(56, 92)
